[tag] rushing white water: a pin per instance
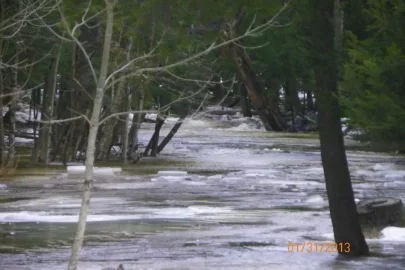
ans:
(222, 197)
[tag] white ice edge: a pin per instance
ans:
(96, 170)
(172, 173)
(142, 213)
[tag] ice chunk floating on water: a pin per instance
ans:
(393, 234)
(81, 169)
(315, 201)
(395, 175)
(202, 209)
(172, 173)
(383, 167)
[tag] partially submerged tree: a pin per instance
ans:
(327, 26)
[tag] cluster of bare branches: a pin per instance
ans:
(93, 100)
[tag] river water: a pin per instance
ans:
(246, 195)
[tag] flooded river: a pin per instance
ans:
(246, 195)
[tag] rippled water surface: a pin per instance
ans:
(246, 195)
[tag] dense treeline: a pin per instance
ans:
(272, 70)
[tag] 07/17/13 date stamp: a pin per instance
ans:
(327, 247)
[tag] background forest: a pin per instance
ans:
(42, 66)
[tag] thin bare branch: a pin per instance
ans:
(61, 120)
(78, 43)
(124, 113)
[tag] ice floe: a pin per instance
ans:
(393, 234)
(96, 170)
(315, 201)
(172, 173)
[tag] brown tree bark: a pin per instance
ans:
(153, 143)
(342, 207)
(171, 134)
(263, 105)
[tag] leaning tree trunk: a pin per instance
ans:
(346, 226)
(91, 143)
(171, 134)
(154, 140)
(264, 107)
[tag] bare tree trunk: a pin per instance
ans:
(48, 105)
(2, 145)
(291, 88)
(171, 134)
(12, 108)
(291, 94)
(2, 134)
(91, 143)
(36, 102)
(136, 124)
(116, 104)
(125, 130)
(154, 140)
(310, 100)
(342, 207)
(244, 101)
(110, 124)
(265, 109)
(58, 143)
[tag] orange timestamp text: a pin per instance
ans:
(327, 247)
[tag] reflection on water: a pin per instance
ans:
(247, 194)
